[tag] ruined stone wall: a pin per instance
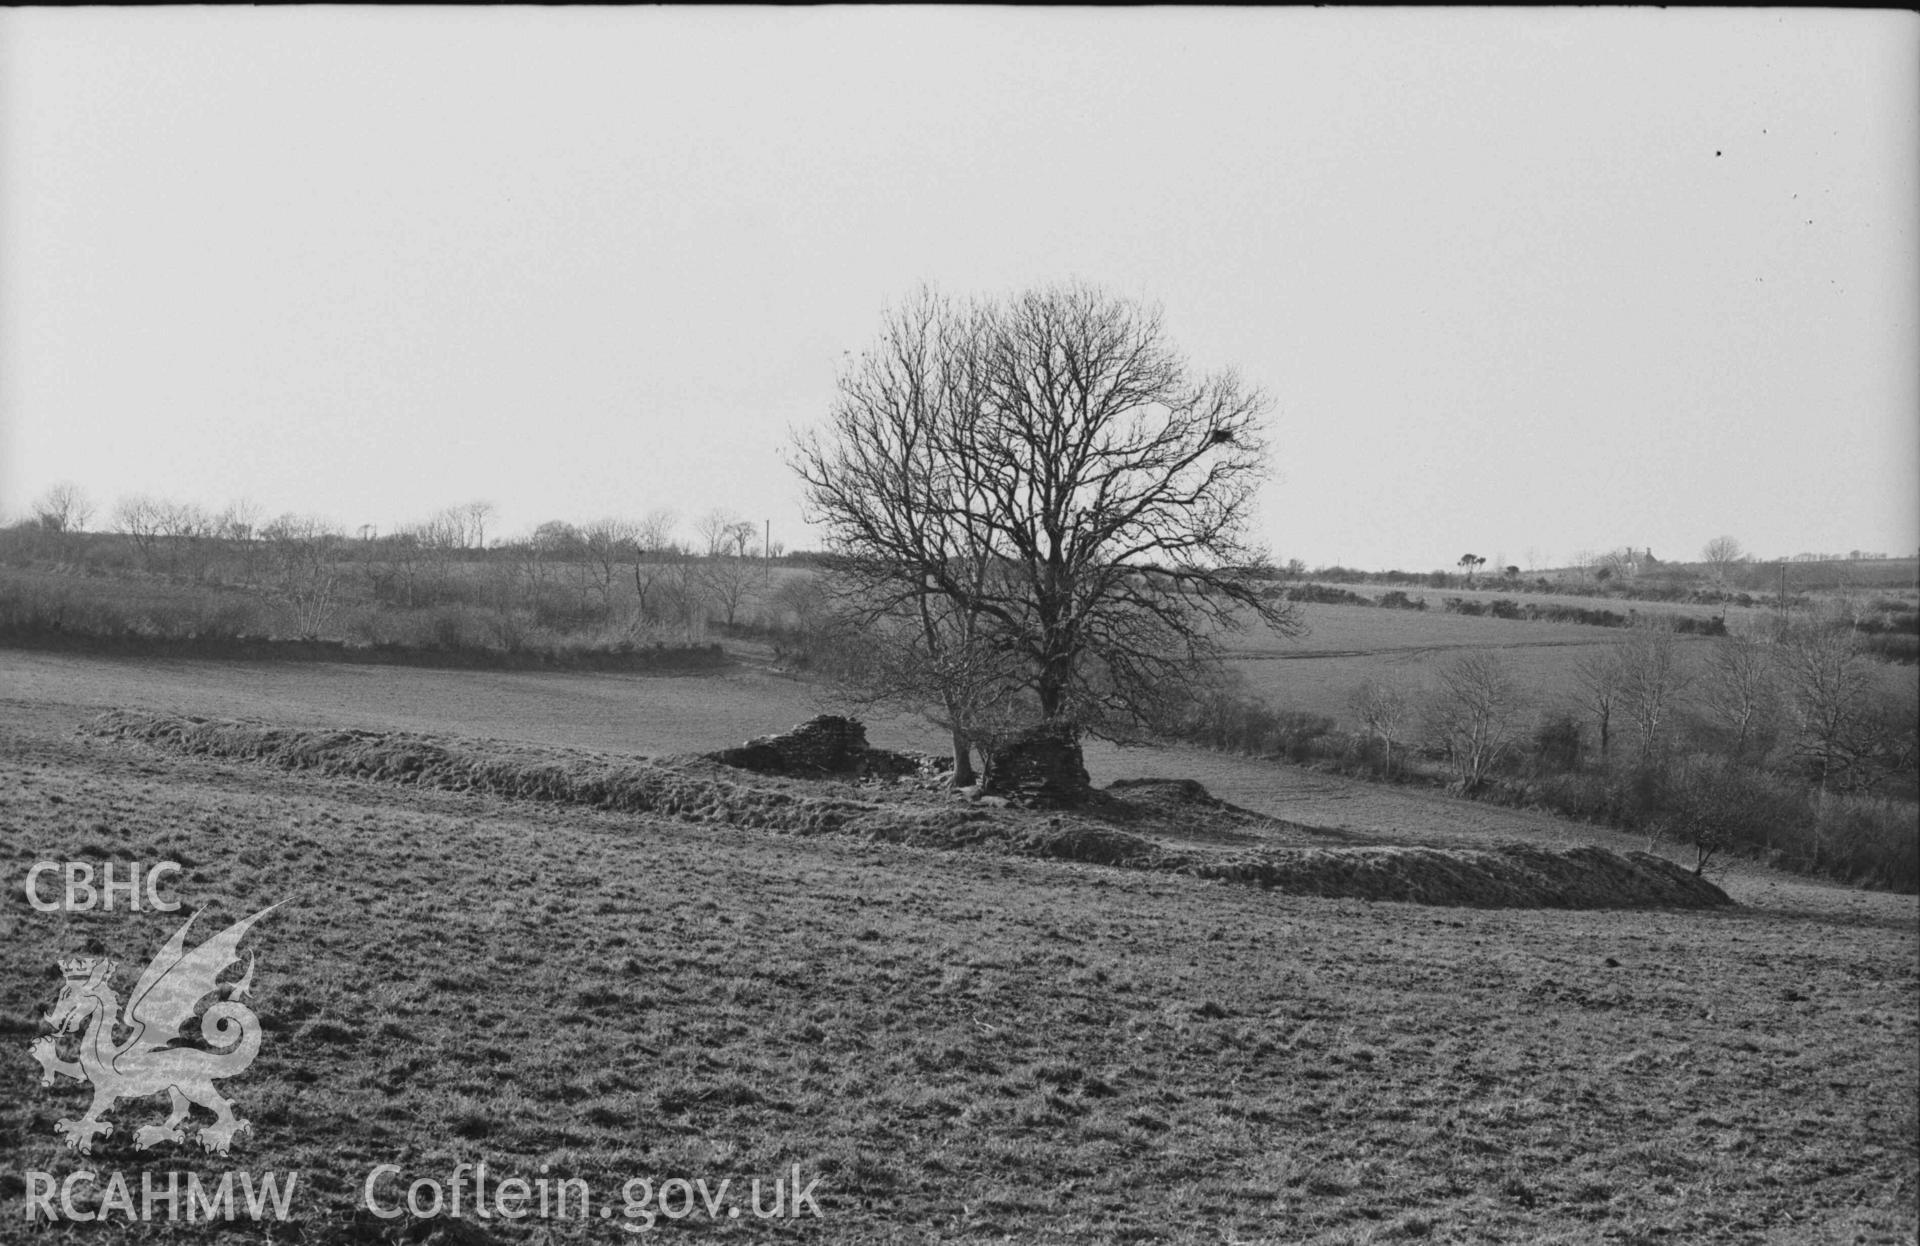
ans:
(827, 744)
(831, 745)
(1040, 766)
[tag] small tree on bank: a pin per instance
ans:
(1829, 688)
(1383, 709)
(1471, 712)
(1653, 678)
(1049, 478)
(1722, 555)
(1598, 678)
(1740, 693)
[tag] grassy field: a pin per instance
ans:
(1346, 645)
(956, 1047)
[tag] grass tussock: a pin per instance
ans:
(1160, 816)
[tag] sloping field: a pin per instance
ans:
(1346, 645)
(641, 714)
(1341, 629)
(954, 1047)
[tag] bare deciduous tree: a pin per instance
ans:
(302, 550)
(728, 583)
(1059, 439)
(1471, 712)
(1830, 695)
(916, 556)
(1652, 680)
(138, 517)
(1740, 691)
(1723, 551)
(653, 540)
(683, 595)
(1712, 804)
(238, 523)
(405, 553)
(801, 603)
(1597, 686)
(715, 530)
(185, 529)
(474, 517)
(656, 531)
(63, 508)
(1383, 707)
(559, 550)
(1722, 554)
(442, 537)
(608, 544)
(238, 520)
(931, 654)
(740, 537)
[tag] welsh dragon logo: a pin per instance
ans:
(146, 1062)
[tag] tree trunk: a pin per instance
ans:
(1051, 689)
(963, 775)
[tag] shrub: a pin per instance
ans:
(1321, 594)
(448, 628)
(1713, 804)
(1557, 745)
(1398, 600)
(367, 625)
(229, 619)
(508, 629)
(1893, 647)
(1241, 724)
(1866, 841)
(1688, 625)
(1554, 613)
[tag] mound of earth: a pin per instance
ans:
(1509, 876)
(1158, 813)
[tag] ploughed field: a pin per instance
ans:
(953, 1045)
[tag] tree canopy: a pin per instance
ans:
(1043, 494)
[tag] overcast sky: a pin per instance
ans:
(1520, 283)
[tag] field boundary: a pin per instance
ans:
(696, 790)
